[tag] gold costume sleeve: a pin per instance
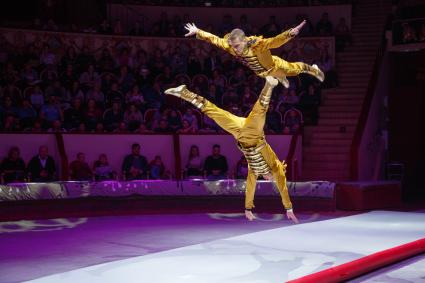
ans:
(251, 182)
(280, 181)
(277, 41)
(213, 39)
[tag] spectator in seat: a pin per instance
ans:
(292, 99)
(114, 94)
(105, 27)
(56, 127)
(28, 75)
(75, 92)
(310, 102)
(272, 28)
(324, 27)
(248, 99)
(41, 167)
(331, 78)
(122, 128)
(194, 162)
(135, 97)
(292, 121)
(186, 128)
(212, 62)
(163, 127)
(79, 170)
(26, 114)
(96, 94)
(89, 78)
(227, 25)
(342, 35)
(74, 115)
(118, 29)
(174, 120)
(11, 124)
(194, 65)
(101, 169)
(273, 120)
(37, 97)
(56, 89)
(12, 168)
(216, 164)
(113, 116)
(244, 24)
(242, 168)
(143, 129)
(135, 166)
(37, 127)
(125, 79)
(219, 81)
(8, 107)
(178, 62)
(93, 114)
(106, 62)
(133, 117)
(157, 168)
(100, 129)
(83, 61)
(209, 126)
(52, 111)
(138, 29)
(68, 77)
(191, 118)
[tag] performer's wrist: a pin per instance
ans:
(289, 210)
(248, 209)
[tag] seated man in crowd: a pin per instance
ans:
(79, 170)
(12, 168)
(216, 164)
(135, 165)
(101, 169)
(41, 167)
(157, 168)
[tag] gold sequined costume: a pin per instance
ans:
(258, 58)
(249, 134)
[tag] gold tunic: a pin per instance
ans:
(257, 55)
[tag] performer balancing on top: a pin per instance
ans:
(249, 133)
(254, 52)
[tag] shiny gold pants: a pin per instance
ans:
(249, 132)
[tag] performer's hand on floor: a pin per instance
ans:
(296, 30)
(191, 28)
(290, 214)
(249, 215)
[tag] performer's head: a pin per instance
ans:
(237, 40)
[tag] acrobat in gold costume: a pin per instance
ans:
(249, 134)
(258, 58)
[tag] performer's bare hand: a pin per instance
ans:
(191, 28)
(290, 214)
(249, 215)
(296, 30)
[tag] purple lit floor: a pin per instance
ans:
(107, 249)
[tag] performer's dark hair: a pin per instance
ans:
(216, 145)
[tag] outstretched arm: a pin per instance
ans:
(284, 37)
(206, 36)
